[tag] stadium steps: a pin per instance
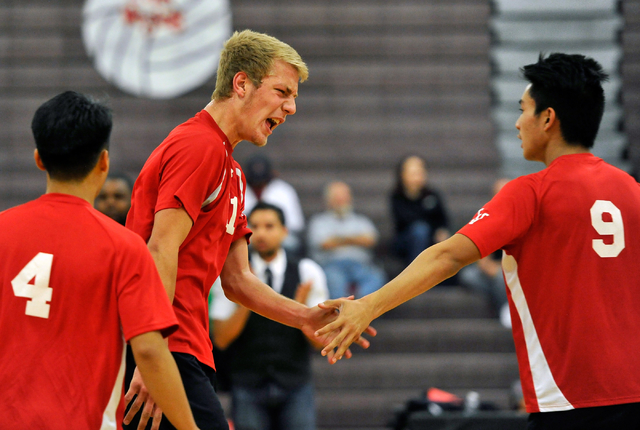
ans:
(446, 338)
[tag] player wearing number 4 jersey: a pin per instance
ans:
(74, 286)
(571, 246)
(188, 205)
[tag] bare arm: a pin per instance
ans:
(243, 287)
(170, 229)
(162, 378)
(226, 331)
(432, 266)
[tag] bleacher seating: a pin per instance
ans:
(522, 30)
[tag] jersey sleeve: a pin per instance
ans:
(188, 169)
(506, 217)
(143, 303)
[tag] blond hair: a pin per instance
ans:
(253, 53)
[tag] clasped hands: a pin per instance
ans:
(344, 321)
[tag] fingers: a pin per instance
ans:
(343, 347)
(147, 412)
(157, 418)
(328, 328)
(130, 393)
(133, 410)
(328, 350)
(371, 331)
(362, 342)
(330, 304)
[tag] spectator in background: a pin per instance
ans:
(485, 276)
(264, 185)
(418, 210)
(114, 199)
(270, 373)
(342, 241)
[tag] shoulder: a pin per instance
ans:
(196, 137)
(123, 239)
(17, 210)
(321, 217)
(308, 265)
(281, 185)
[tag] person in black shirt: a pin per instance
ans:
(418, 211)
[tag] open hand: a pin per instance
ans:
(150, 410)
(328, 314)
(353, 319)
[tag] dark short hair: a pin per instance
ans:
(70, 131)
(258, 170)
(264, 206)
(572, 86)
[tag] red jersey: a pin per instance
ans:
(74, 285)
(571, 247)
(194, 169)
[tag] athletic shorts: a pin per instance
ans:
(199, 383)
(614, 417)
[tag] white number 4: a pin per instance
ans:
(614, 228)
(38, 269)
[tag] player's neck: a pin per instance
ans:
(559, 148)
(222, 112)
(85, 189)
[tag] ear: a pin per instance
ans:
(240, 84)
(104, 162)
(551, 119)
(39, 163)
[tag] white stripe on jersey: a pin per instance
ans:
(109, 415)
(215, 193)
(549, 396)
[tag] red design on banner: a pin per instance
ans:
(153, 14)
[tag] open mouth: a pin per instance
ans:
(273, 123)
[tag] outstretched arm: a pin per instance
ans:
(432, 266)
(162, 378)
(243, 287)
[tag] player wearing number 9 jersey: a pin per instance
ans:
(571, 244)
(74, 286)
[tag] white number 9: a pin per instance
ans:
(614, 228)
